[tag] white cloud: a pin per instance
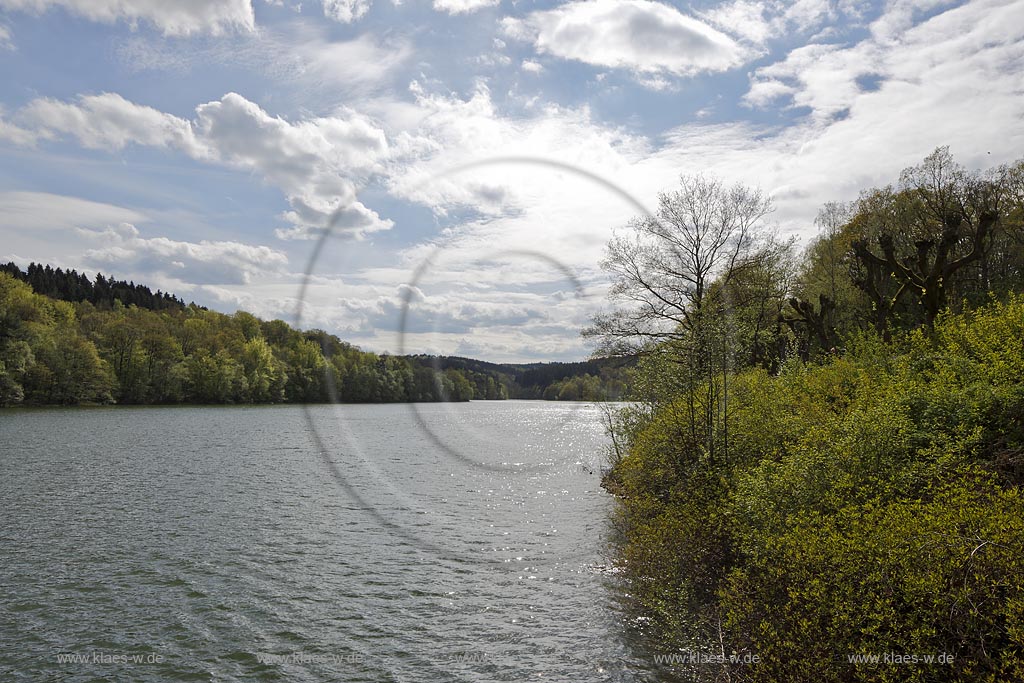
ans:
(318, 163)
(954, 52)
(493, 59)
(764, 91)
(648, 38)
(201, 262)
(806, 15)
(487, 309)
(79, 233)
(358, 63)
(493, 318)
(463, 6)
(951, 80)
(759, 22)
(742, 18)
(532, 66)
(91, 236)
(454, 132)
(300, 58)
(820, 77)
(535, 220)
(41, 212)
(901, 15)
(15, 134)
(346, 11)
(108, 121)
(656, 82)
(172, 17)
(6, 43)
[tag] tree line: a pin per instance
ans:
(825, 454)
(58, 352)
(111, 341)
(70, 285)
(891, 261)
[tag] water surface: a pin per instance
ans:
(342, 543)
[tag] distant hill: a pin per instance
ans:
(597, 379)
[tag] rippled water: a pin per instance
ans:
(342, 543)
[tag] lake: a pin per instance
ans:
(464, 542)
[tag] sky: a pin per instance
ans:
(443, 175)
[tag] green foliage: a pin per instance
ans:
(58, 352)
(43, 356)
(826, 456)
(67, 370)
(941, 237)
(943, 573)
(594, 380)
(580, 388)
(870, 503)
(264, 373)
(69, 285)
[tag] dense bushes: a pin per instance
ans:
(940, 573)
(822, 465)
(866, 504)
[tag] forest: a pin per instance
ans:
(70, 285)
(66, 339)
(825, 456)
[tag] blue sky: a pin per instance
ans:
(202, 146)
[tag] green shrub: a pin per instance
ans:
(868, 504)
(927, 577)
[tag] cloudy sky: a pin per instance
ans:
(470, 156)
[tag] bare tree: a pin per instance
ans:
(664, 265)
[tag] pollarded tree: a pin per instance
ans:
(663, 266)
(940, 220)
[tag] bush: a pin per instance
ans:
(941, 575)
(869, 504)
